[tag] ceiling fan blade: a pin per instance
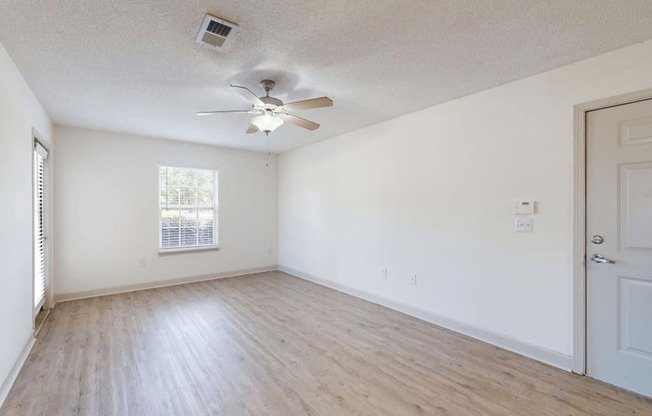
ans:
(301, 122)
(252, 129)
(311, 103)
(208, 113)
(248, 95)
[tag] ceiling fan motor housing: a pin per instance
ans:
(267, 85)
(271, 101)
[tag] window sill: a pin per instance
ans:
(166, 251)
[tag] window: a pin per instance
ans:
(40, 258)
(188, 208)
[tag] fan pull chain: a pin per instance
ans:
(269, 151)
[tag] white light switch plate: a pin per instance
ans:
(523, 225)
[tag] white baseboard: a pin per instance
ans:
(13, 373)
(544, 355)
(65, 297)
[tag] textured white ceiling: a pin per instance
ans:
(133, 66)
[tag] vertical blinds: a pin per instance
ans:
(40, 154)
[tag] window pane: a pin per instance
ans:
(188, 217)
(172, 197)
(188, 236)
(205, 197)
(171, 176)
(169, 237)
(205, 218)
(188, 196)
(205, 236)
(169, 218)
(190, 176)
(185, 177)
(164, 196)
(205, 178)
(205, 188)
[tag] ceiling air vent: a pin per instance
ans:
(215, 31)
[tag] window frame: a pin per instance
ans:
(215, 208)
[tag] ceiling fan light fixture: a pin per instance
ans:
(267, 122)
(272, 112)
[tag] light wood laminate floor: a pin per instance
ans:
(270, 344)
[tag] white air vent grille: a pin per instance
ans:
(218, 28)
(215, 31)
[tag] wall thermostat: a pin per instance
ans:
(524, 207)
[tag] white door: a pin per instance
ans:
(619, 246)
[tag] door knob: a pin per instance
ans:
(599, 258)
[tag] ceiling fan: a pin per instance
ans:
(272, 112)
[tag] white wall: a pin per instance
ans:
(20, 111)
(106, 211)
(429, 194)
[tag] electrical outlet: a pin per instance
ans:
(141, 262)
(413, 280)
(523, 225)
(383, 273)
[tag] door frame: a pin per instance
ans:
(579, 217)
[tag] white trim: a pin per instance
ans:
(579, 218)
(544, 355)
(578, 348)
(37, 330)
(65, 297)
(5, 387)
(165, 251)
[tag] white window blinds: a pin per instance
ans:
(40, 154)
(188, 207)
